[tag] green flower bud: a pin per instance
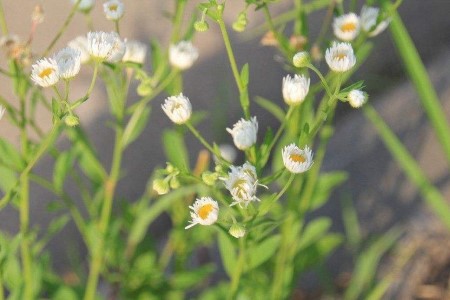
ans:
(241, 22)
(237, 230)
(160, 186)
(72, 120)
(209, 178)
(174, 183)
(144, 89)
(301, 59)
(201, 26)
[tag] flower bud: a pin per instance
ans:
(160, 186)
(357, 98)
(144, 88)
(241, 22)
(201, 26)
(301, 59)
(174, 183)
(72, 121)
(209, 178)
(237, 230)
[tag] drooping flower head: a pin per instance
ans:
(244, 133)
(301, 59)
(340, 57)
(369, 17)
(135, 52)
(69, 62)
(178, 108)
(85, 5)
(242, 183)
(45, 72)
(183, 55)
(113, 9)
(346, 27)
(295, 89)
(205, 211)
(357, 98)
(81, 43)
(2, 111)
(297, 160)
(105, 46)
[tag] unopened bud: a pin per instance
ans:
(301, 59)
(209, 178)
(241, 22)
(144, 89)
(174, 183)
(237, 230)
(72, 121)
(201, 26)
(160, 186)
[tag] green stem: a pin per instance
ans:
(243, 92)
(432, 196)
(3, 25)
(179, 10)
(238, 270)
(283, 45)
(324, 82)
(419, 76)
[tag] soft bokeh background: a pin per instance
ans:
(380, 192)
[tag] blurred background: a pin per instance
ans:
(381, 194)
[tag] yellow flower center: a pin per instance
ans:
(298, 158)
(340, 56)
(113, 7)
(46, 72)
(348, 27)
(205, 210)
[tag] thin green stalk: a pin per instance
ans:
(243, 92)
(179, 11)
(3, 25)
(238, 270)
(432, 196)
(62, 29)
(419, 76)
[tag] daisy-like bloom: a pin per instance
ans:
(357, 98)
(113, 9)
(295, 89)
(297, 160)
(118, 50)
(228, 152)
(69, 62)
(346, 27)
(105, 46)
(242, 183)
(183, 55)
(81, 43)
(2, 111)
(340, 57)
(135, 52)
(244, 133)
(178, 108)
(369, 16)
(301, 59)
(45, 72)
(205, 211)
(85, 5)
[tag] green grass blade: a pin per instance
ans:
(432, 196)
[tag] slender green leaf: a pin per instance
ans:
(135, 125)
(313, 232)
(227, 252)
(262, 252)
(271, 107)
(63, 165)
(245, 75)
(325, 185)
(175, 149)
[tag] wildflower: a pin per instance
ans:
(295, 89)
(113, 9)
(182, 55)
(346, 27)
(301, 59)
(340, 57)
(2, 111)
(297, 160)
(160, 186)
(45, 72)
(205, 211)
(369, 17)
(85, 5)
(228, 152)
(135, 52)
(81, 43)
(357, 98)
(105, 46)
(178, 108)
(244, 133)
(237, 230)
(68, 60)
(242, 183)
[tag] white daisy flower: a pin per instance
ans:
(183, 55)
(295, 89)
(81, 43)
(369, 17)
(357, 98)
(346, 27)
(105, 46)
(242, 183)
(85, 5)
(113, 9)
(135, 52)
(118, 51)
(297, 160)
(2, 111)
(340, 57)
(45, 72)
(178, 108)
(69, 62)
(244, 133)
(205, 211)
